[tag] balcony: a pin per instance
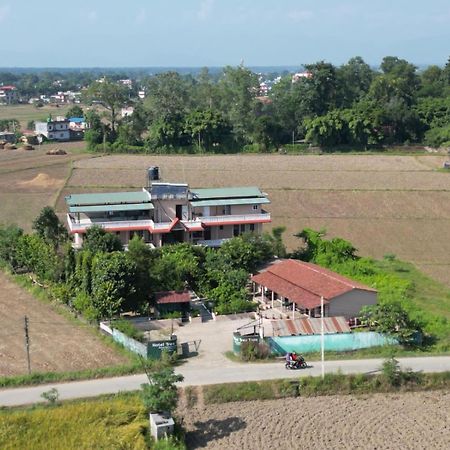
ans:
(211, 242)
(80, 226)
(235, 219)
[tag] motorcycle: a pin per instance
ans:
(296, 364)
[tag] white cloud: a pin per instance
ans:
(92, 16)
(205, 10)
(141, 17)
(298, 15)
(4, 12)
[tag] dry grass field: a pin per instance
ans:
(56, 344)
(25, 113)
(30, 180)
(383, 204)
(380, 421)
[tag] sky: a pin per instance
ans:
(193, 33)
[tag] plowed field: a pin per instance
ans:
(56, 344)
(400, 421)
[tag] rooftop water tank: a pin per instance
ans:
(153, 174)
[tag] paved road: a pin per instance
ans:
(197, 375)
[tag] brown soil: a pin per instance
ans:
(55, 343)
(394, 421)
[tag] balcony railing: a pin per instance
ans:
(235, 219)
(80, 226)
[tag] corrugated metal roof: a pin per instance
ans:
(106, 208)
(308, 326)
(232, 192)
(108, 198)
(231, 201)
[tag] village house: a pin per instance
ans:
(164, 213)
(298, 286)
(8, 95)
(56, 130)
(8, 137)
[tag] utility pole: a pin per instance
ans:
(27, 344)
(322, 338)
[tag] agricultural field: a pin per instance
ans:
(25, 113)
(383, 204)
(56, 344)
(30, 180)
(381, 421)
(110, 423)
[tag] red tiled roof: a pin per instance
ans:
(304, 326)
(7, 88)
(173, 297)
(304, 283)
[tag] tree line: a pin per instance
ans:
(351, 106)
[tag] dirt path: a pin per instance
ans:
(394, 421)
(55, 343)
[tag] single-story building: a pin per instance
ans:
(173, 301)
(300, 286)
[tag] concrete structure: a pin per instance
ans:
(161, 425)
(299, 286)
(173, 301)
(8, 137)
(56, 130)
(8, 95)
(165, 213)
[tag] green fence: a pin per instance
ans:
(340, 342)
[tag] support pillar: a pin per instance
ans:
(273, 298)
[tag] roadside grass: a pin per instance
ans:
(107, 422)
(429, 301)
(331, 384)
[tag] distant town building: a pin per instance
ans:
(141, 94)
(56, 130)
(263, 89)
(128, 83)
(301, 75)
(8, 95)
(77, 127)
(127, 111)
(8, 137)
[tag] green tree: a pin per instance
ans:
(143, 258)
(160, 395)
(9, 239)
(48, 227)
(354, 79)
(113, 290)
(391, 318)
(75, 111)
(35, 255)
(238, 88)
(98, 240)
(111, 95)
(207, 128)
(96, 131)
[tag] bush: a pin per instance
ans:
(251, 351)
(83, 304)
(127, 328)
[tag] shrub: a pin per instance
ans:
(51, 396)
(127, 328)
(251, 351)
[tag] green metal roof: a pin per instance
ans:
(108, 198)
(231, 201)
(234, 192)
(106, 208)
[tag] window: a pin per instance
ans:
(220, 227)
(236, 230)
(255, 207)
(252, 227)
(243, 228)
(227, 210)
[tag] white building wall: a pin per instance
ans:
(350, 303)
